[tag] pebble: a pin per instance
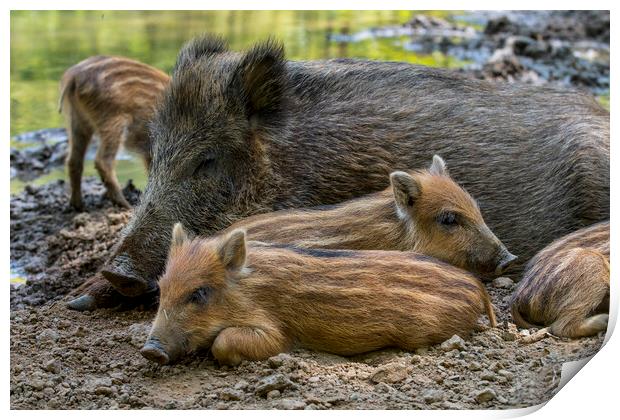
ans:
(52, 366)
(289, 404)
(242, 384)
(230, 394)
(48, 335)
(103, 390)
(275, 362)
(487, 375)
(277, 382)
(389, 373)
(453, 343)
(432, 395)
(503, 282)
(485, 395)
(273, 394)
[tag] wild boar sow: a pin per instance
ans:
(566, 286)
(114, 98)
(257, 301)
(245, 133)
(423, 211)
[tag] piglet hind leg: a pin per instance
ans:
(235, 344)
(584, 327)
(111, 139)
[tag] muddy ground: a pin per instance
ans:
(66, 359)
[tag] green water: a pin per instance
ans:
(45, 43)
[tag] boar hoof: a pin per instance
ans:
(153, 352)
(82, 303)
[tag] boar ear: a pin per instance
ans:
(179, 235)
(232, 250)
(261, 79)
(438, 167)
(406, 190)
(202, 46)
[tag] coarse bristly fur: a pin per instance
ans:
(255, 301)
(535, 157)
(423, 211)
(113, 98)
(566, 286)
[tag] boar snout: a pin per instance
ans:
(154, 351)
(120, 272)
(505, 261)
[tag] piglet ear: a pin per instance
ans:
(232, 250)
(438, 167)
(179, 235)
(406, 190)
(261, 78)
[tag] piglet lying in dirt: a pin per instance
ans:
(423, 211)
(254, 301)
(566, 286)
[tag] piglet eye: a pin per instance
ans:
(200, 296)
(448, 219)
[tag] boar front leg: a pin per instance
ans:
(234, 344)
(97, 292)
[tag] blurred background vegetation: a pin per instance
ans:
(45, 43)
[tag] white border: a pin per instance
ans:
(591, 394)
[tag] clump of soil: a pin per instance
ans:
(66, 359)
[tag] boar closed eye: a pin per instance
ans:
(205, 166)
(200, 296)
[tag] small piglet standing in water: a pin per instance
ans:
(423, 211)
(252, 302)
(113, 97)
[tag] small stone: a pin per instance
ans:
(475, 366)
(103, 390)
(487, 375)
(421, 351)
(389, 373)
(273, 394)
(230, 395)
(314, 379)
(289, 404)
(506, 374)
(52, 366)
(509, 336)
(277, 382)
(503, 282)
(485, 395)
(242, 385)
(432, 395)
(48, 335)
(453, 343)
(277, 361)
